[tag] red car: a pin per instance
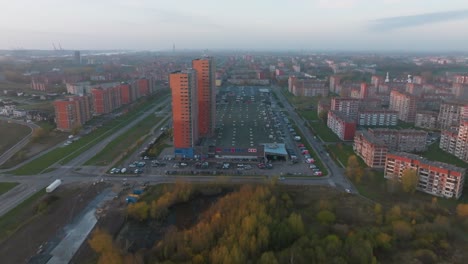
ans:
(300, 145)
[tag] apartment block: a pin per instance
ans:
(405, 140)
(377, 117)
(371, 149)
(184, 111)
(345, 105)
(435, 178)
(72, 112)
(451, 113)
(404, 104)
(455, 141)
(106, 99)
(343, 126)
(307, 87)
(426, 119)
(206, 82)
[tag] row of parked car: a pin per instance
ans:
(125, 171)
(309, 160)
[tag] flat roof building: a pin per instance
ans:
(404, 104)
(371, 149)
(206, 72)
(343, 126)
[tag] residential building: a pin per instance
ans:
(72, 112)
(345, 105)
(343, 126)
(451, 113)
(377, 117)
(371, 149)
(426, 119)
(455, 141)
(184, 111)
(436, 178)
(405, 104)
(106, 100)
(206, 73)
(307, 87)
(323, 106)
(406, 140)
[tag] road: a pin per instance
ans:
(66, 171)
(18, 146)
(336, 173)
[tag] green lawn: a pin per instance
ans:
(9, 222)
(310, 115)
(123, 142)
(434, 153)
(67, 153)
(6, 186)
(342, 152)
(11, 133)
(324, 132)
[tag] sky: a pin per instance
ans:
(364, 25)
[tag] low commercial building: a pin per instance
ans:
(436, 178)
(371, 149)
(343, 126)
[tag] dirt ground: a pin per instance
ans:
(10, 134)
(68, 202)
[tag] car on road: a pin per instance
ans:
(348, 190)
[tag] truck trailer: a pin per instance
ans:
(53, 186)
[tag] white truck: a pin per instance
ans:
(53, 186)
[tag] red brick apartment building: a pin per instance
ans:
(345, 105)
(72, 112)
(184, 111)
(343, 126)
(370, 148)
(125, 93)
(143, 87)
(404, 104)
(105, 100)
(206, 82)
(436, 178)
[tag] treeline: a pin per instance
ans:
(269, 224)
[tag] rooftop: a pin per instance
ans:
(429, 162)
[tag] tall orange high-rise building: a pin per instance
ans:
(206, 74)
(184, 111)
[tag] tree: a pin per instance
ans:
(462, 210)
(38, 133)
(297, 226)
(354, 170)
(402, 230)
(323, 115)
(409, 180)
(378, 214)
(138, 211)
(268, 258)
(326, 217)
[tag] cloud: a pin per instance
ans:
(337, 4)
(392, 23)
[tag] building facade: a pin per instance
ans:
(455, 141)
(371, 149)
(451, 113)
(436, 178)
(377, 118)
(307, 87)
(343, 126)
(345, 105)
(184, 111)
(106, 100)
(206, 73)
(72, 112)
(405, 140)
(426, 119)
(404, 104)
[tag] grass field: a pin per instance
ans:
(124, 141)
(9, 223)
(10, 134)
(6, 186)
(324, 132)
(434, 153)
(67, 153)
(342, 153)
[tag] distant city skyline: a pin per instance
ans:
(412, 25)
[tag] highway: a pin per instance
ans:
(18, 146)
